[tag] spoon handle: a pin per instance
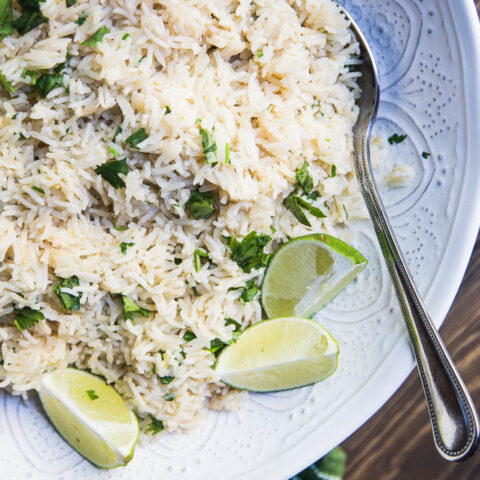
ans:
(455, 422)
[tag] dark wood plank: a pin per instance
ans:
(396, 444)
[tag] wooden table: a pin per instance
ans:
(397, 444)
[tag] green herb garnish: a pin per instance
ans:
(249, 252)
(30, 18)
(135, 138)
(27, 317)
(260, 54)
(166, 380)
(249, 292)
(334, 171)
(396, 138)
(110, 172)
(81, 19)
(294, 203)
(155, 426)
(168, 110)
(47, 82)
(130, 307)
(37, 189)
(96, 38)
(169, 397)
(124, 246)
(120, 228)
(195, 291)
(231, 321)
(177, 261)
(69, 302)
(92, 395)
(6, 18)
(425, 154)
(118, 131)
(200, 204)
(70, 3)
(345, 210)
(188, 336)
(227, 153)
(6, 84)
(304, 179)
(209, 147)
(22, 137)
(198, 254)
(125, 36)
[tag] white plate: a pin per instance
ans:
(428, 52)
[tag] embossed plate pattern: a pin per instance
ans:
(428, 52)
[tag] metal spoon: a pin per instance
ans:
(453, 416)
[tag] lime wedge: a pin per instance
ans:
(306, 273)
(90, 415)
(279, 354)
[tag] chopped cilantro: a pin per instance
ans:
(118, 131)
(231, 321)
(22, 137)
(195, 291)
(31, 74)
(168, 110)
(177, 261)
(27, 317)
(113, 151)
(120, 228)
(209, 147)
(130, 307)
(334, 171)
(69, 302)
(303, 178)
(396, 138)
(294, 203)
(135, 138)
(6, 84)
(249, 252)
(47, 82)
(345, 210)
(110, 172)
(200, 204)
(216, 344)
(227, 154)
(249, 292)
(169, 397)
(97, 37)
(154, 370)
(37, 189)
(30, 18)
(188, 336)
(162, 353)
(6, 18)
(125, 245)
(70, 3)
(142, 58)
(425, 154)
(155, 426)
(260, 54)
(92, 395)
(198, 254)
(166, 380)
(125, 36)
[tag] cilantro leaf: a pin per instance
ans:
(231, 321)
(216, 344)
(6, 18)
(81, 19)
(188, 336)
(47, 82)
(249, 292)
(177, 261)
(200, 204)
(166, 380)
(125, 245)
(70, 3)
(110, 172)
(31, 74)
(334, 171)
(120, 228)
(168, 110)
(316, 212)
(197, 260)
(396, 138)
(425, 154)
(249, 252)
(209, 147)
(118, 131)
(169, 397)
(130, 307)
(37, 189)
(69, 301)
(97, 37)
(227, 154)
(135, 138)
(92, 395)
(30, 18)
(6, 84)
(292, 203)
(155, 426)
(303, 178)
(27, 317)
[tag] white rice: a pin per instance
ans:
(270, 77)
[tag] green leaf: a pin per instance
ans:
(92, 395)
(195, 291)
(6, 84)
(291, 203)
(135, 138)
(125, 36)
(249, 252)
(118, 131)
(231, 321)
(169, 397)
(155, 426)
(37, 189)
(188, 336)
(200, 204)
(215, 345)
(70, 3)
(120, 228)
(334, 171)
(197, 255)
(166, 380)
(209, 147)
(316, 212)
(177, 261)
(30, 18)
(227, 154)
(96, 38)
(345, 210)
(47, 82)
(168, 110)
(69, 302)
(31, 74)
(249, 292)
(304, 179)
(130, 307)
(81, 19)
(27, 317)
(125, 245)
(396, 138)
(6, 18)
(110, 172)
(425, 154)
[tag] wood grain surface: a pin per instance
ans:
(397, 444)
